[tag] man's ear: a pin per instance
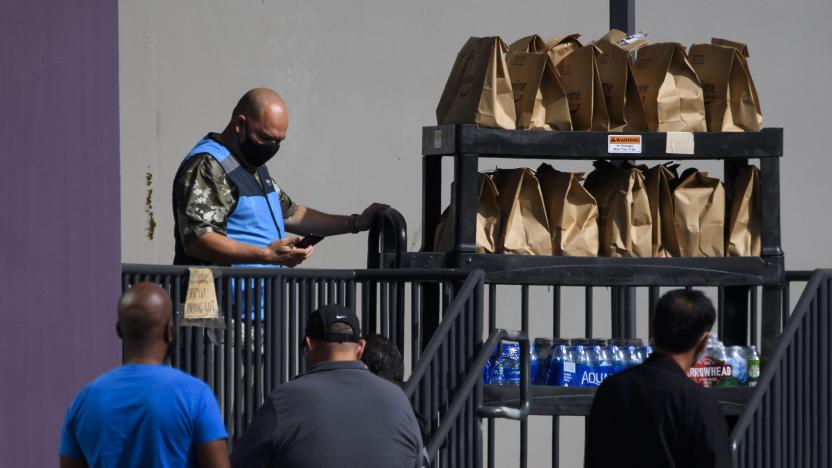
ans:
(359, 351)
(310, 346)
(238, 122)
(169, 332)
(118, 331)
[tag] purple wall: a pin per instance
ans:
(59, 233)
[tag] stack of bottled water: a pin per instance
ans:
(721, 366)
(563, 362)
(585, 362)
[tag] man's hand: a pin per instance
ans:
(284, 252)
(365, 219)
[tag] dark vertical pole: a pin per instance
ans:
(556, 331)
(623, 18)
(431, 199)
(465, 187)
(772, 252)
(734, 314)
(431, 210)
(623, 15)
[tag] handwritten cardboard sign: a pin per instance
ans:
(201, 301)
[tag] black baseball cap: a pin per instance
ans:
(317, 326)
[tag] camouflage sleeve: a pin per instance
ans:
(287, 205)
(204, 198)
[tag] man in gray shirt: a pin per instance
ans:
(337, 414)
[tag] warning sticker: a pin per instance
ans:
(626, 144)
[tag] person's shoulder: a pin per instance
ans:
(179, 378)
(104, 380)
(623, 377)
(381, 388)
(100, 382)
(700, 398)
(203, 161)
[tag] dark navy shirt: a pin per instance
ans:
(337, 414)
(141, 416)
(652, 415)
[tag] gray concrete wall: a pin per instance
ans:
(59, 260)
(361, 78)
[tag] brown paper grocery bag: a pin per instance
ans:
(539, 99)
(658, 182)
(478, 90)
(745, 225)
(488, 220)
(579, 77)
(669, 88)
(533, 43)
(524, 226)
(560, 47)
(731, 103)
(743, 50)
(620, 90)
(699, 215)
(624, 220)
(572, 212)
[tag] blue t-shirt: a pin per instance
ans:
(141, 416)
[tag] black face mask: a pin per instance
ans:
(256, 154)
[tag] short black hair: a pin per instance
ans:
(680, 319)
(383, 358)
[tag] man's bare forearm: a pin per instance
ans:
(220, 250)
(307, 221)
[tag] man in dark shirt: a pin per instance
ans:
(337, 414)
(652, 415)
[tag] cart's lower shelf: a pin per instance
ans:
(608, 271)
(577, 401)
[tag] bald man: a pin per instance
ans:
(144, 413)
(227, 208)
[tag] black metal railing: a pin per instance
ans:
(441, 387)
(787, 420)
(258, 344)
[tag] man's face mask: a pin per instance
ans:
(256, 154)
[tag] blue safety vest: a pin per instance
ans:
(257, 219)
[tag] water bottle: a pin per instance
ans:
(560, 368)
(752, 360)
(582, 356)
(495, 368)
(506, 370)
(739, 367)
(618, 355)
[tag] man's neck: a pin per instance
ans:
(332, 358)
(142, 356)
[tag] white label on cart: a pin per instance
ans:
(627, 144)
(679, 143)
(437, 139)
(569, 366)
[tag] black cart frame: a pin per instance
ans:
(466, 144)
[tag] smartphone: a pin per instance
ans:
(309, 241)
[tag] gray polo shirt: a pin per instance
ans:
(337, 414)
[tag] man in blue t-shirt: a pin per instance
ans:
(144, 414)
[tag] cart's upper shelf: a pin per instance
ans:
(488, 142)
